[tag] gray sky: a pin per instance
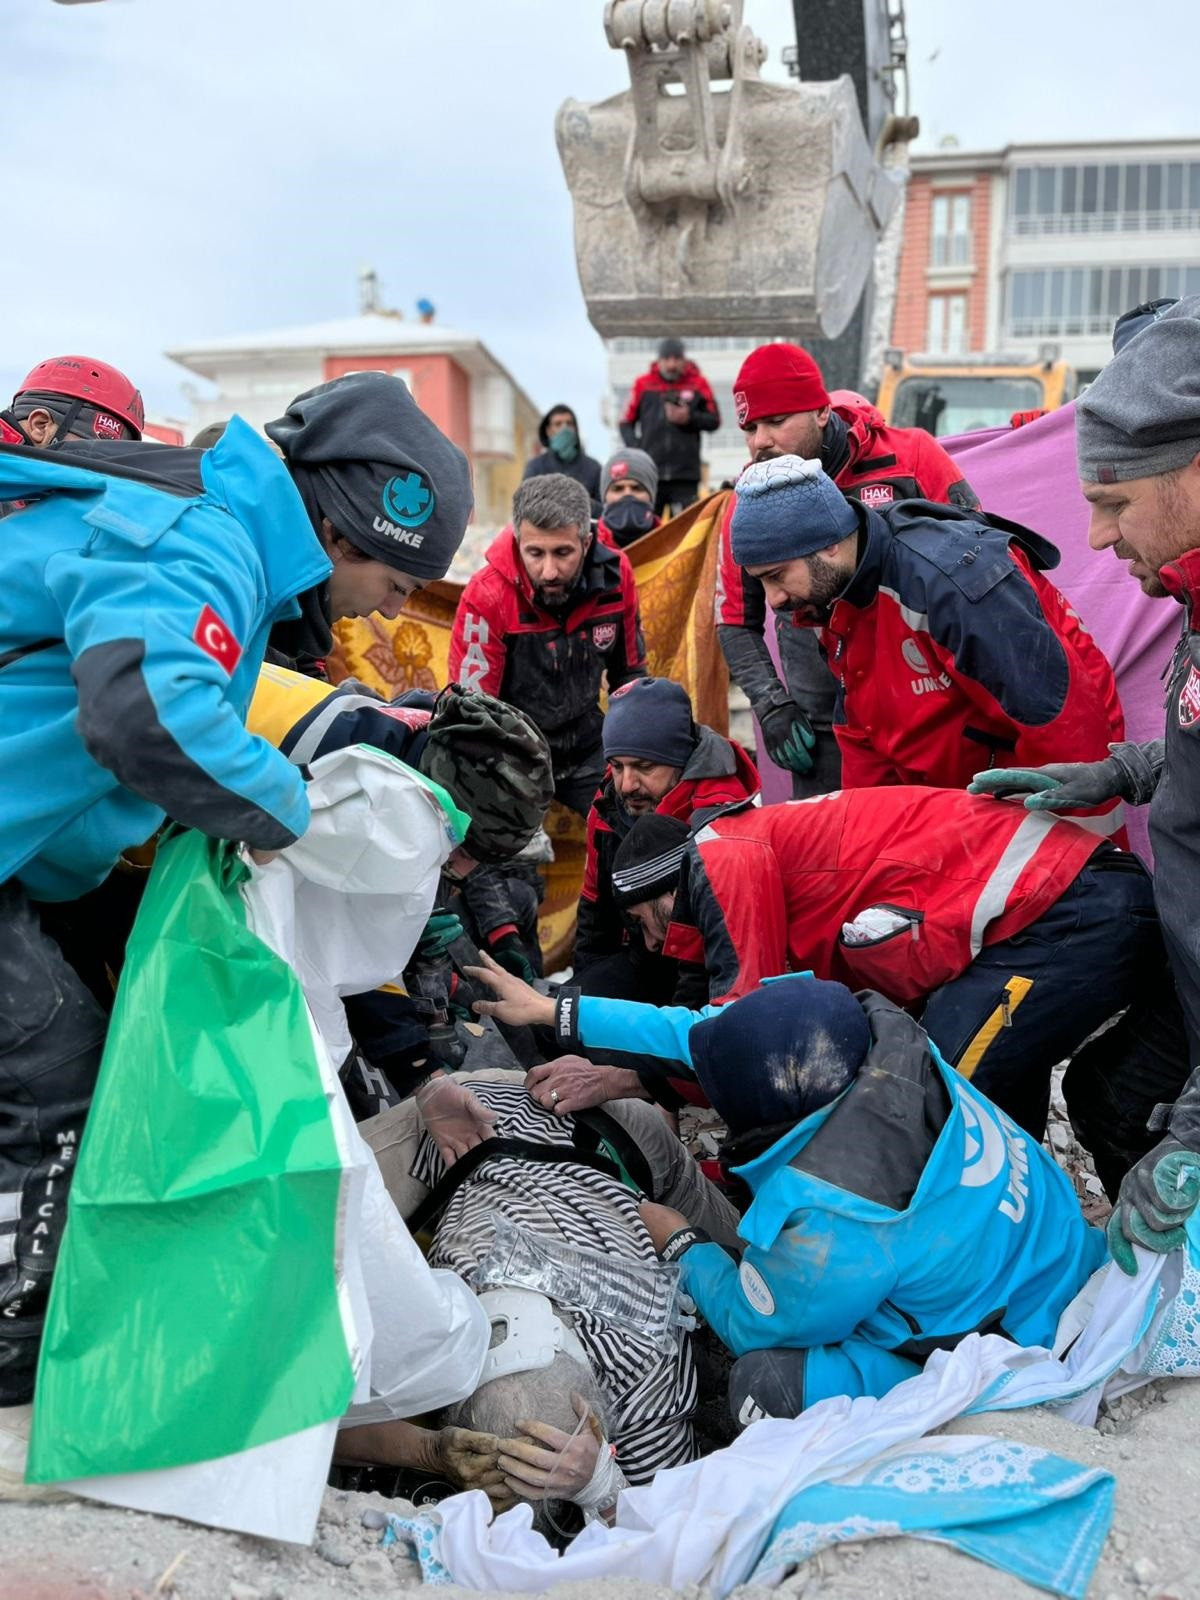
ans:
(183, 171)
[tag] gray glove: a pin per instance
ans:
(789, 737)
(1055, 788)
(1157, 1197)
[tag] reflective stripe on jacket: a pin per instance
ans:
(893, 889)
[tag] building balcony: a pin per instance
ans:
(1092, 326)
(1102, 222)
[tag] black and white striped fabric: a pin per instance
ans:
(651, 1392)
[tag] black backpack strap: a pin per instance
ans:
(599, 1127)
(439, 1197)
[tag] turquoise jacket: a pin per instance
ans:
(135, 603)
(907, 1213)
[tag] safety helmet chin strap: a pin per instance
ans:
(69, 418)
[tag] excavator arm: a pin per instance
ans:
(707, 200)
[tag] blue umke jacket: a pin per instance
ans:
(138, 584)
(904, 1215)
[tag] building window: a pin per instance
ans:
(947, 325)
(1118, 197)
(1084, 302)
(950, 239)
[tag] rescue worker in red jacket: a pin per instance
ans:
(670, 406)
(659, 760)
(950, 649)
(72, 397)
(1011, 943)
(784, 409)
(552, 612)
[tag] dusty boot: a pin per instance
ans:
(15, 1424)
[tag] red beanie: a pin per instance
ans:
(775, 380)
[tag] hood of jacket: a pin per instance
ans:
(863, 422)
(241, 472)
(868, 1153)
(543, 426)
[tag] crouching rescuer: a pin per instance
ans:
(868, 1164)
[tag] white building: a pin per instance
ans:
(1005, 250)
(453, 377)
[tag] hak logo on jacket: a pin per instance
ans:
(1189, 700)
(604, 635)
(408, 503)
(876, 494)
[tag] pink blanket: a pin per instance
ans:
(1028, 474)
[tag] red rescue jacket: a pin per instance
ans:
(953, 653)
(719, 773)
(550, 663)
(674, 447)
(885, 465)
(772, 889)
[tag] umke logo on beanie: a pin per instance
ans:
(409, 500)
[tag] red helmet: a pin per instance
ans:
(94, 383)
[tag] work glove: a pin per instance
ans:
(1157, 1197)
(1055, 788)
(510, 953)
(789, 737)
(440, 932)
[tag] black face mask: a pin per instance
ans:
(629, 518)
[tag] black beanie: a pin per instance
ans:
(648, 859)
(781, 1052)
(364, 454)
(671, 347)
(650, 718)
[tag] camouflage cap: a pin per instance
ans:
(496, 765)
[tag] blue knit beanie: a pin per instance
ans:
(787, 507)
(780, 1053)
(650, 718)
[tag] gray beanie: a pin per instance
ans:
(1141, 417)
(364, 454)
(635, 464)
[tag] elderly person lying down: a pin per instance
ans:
(892, 1209)
(589, 1383)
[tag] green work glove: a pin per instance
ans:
(1157, 1197)
(789, 737)
(510, 953)
(442, 929)
(1054, 788)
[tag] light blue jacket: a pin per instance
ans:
(135, 604)
(991, 1237)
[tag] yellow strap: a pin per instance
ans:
(1015, 991)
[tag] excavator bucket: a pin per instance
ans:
(752, 210)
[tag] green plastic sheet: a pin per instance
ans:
(195, 1309)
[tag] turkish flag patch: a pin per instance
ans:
(216, 639)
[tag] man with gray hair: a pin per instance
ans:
(552, 612)
(1138, 444)
(589, 1382)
